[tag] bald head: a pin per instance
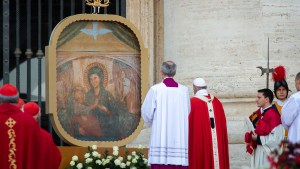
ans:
(168, 68)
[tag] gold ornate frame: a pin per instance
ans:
(51, 74)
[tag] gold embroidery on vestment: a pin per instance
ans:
(12, 147)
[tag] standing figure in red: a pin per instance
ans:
(52, 153)
(268, 131)
(22, 145)
(208, 139)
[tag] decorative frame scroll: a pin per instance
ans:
(108, 63)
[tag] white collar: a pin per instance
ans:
(202, 92)
(280, 103)
(262, 110)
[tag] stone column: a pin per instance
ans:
(147, 16)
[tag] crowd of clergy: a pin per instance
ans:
(24, 144)
(186, 132)
(192, 132)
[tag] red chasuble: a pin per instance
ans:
(22, 142)
(200, 135)
(52, 156)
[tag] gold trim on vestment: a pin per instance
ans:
(213, 130)
(12, 147)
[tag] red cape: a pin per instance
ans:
(27, 149)
(200, 137)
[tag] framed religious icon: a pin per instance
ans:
(97, 70)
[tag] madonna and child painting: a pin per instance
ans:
(98, 81)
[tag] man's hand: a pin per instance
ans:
(254, 136)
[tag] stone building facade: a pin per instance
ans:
(222, 41)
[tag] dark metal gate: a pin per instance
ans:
(26, 27)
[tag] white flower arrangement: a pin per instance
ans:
(94, 147)
(75, 158)
(94, 160)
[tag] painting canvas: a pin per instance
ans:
(98, 81)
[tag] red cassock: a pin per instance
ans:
(23, 146)
(200, 135)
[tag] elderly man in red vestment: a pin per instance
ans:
(208, 139)
(52, 153)
(21, 139)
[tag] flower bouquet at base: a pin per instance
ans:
(95, 160)
(289, 158)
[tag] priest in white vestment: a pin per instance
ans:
(166, 109)
(290, 114)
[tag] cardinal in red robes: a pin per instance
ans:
(52, 153)
(208, 139)
(22, 143)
